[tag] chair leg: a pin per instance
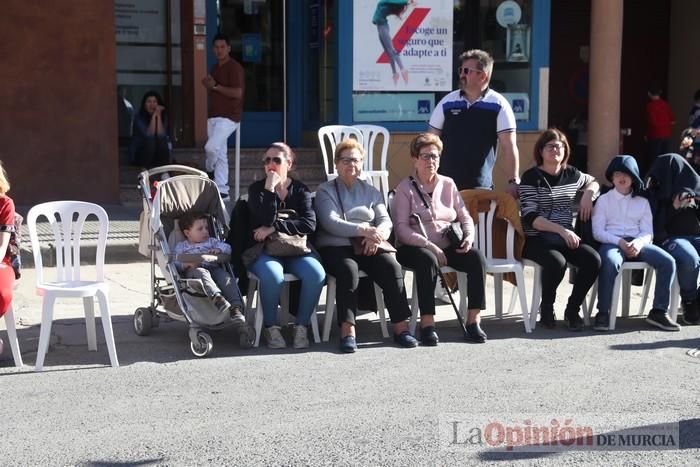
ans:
(314, 326)
(45, 331)
(675, 300)
(626, 288)
(381, 309)
(588, 307)
(520, 281)
(513, 298)
(648, 277)
(498, 294)
(615, 300)
(536, 296)
(462, 284)
(12, 337)
(258, 317)
(89, 306)
(330, 308)
(414, 307)
(106, 316)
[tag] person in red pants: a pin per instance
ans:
(7, 228)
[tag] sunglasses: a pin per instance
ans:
(465, 70)
(276, 160)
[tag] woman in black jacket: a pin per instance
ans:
(266, 198)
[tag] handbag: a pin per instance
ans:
(453, 232)
(358, 248)
(283, 244)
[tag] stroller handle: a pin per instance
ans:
(183, 169)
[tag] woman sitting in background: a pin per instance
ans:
(150, 144)
(7, 228)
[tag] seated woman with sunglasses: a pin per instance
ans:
(265, 198)
(547, 204)
(351, 210)
(422, 244)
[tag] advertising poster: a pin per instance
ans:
(402, 46)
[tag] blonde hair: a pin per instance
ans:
(4, 182)
(425, 139)
(346, 144)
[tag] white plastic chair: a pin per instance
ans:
(328, 138)
(254, 291)
(67, 219)
(500, 266)
(675, 299)
(537, 294)
(378, 177)
(12, 337)
(330, 306)
(623, 282)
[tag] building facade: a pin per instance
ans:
(74, 73)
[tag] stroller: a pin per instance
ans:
(182, 299)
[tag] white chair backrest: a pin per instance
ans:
(379, 179)
(328, 138)
(484, 234)
(67, 221)
(369, 138)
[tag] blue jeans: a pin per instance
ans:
(612, 258)
(270, 270)
(685, 250)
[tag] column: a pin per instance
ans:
(604, 85)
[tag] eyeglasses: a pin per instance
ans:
(349, 161)
(465, 70)
(429, 156)
(276, 160)
(553, 146)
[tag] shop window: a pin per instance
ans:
(148, 58)
(255, 28)
(404, 82)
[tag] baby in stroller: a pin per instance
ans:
(218, 284)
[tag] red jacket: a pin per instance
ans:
(659, 119)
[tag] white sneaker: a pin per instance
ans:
(301, 337)
(274, 338)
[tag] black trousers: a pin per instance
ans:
(425, 267)
(154, 152)
(382, 268)
(553, 259)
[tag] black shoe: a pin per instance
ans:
(475, 333)
(405, 339)
(210, 175)
(547, 319)
(660, 319)
(602, 322)
(574, 320)
(691, 312)
(428, 336)
(348, 344)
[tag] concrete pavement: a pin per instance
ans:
(380, 406)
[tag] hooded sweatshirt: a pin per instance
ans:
(671, 175)
(618, 216)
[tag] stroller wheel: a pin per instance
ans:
(143, 321)
(203, 346)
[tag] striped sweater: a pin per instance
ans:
(550, 196)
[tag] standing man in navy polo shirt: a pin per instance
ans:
(473, 122)
(225, 84)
